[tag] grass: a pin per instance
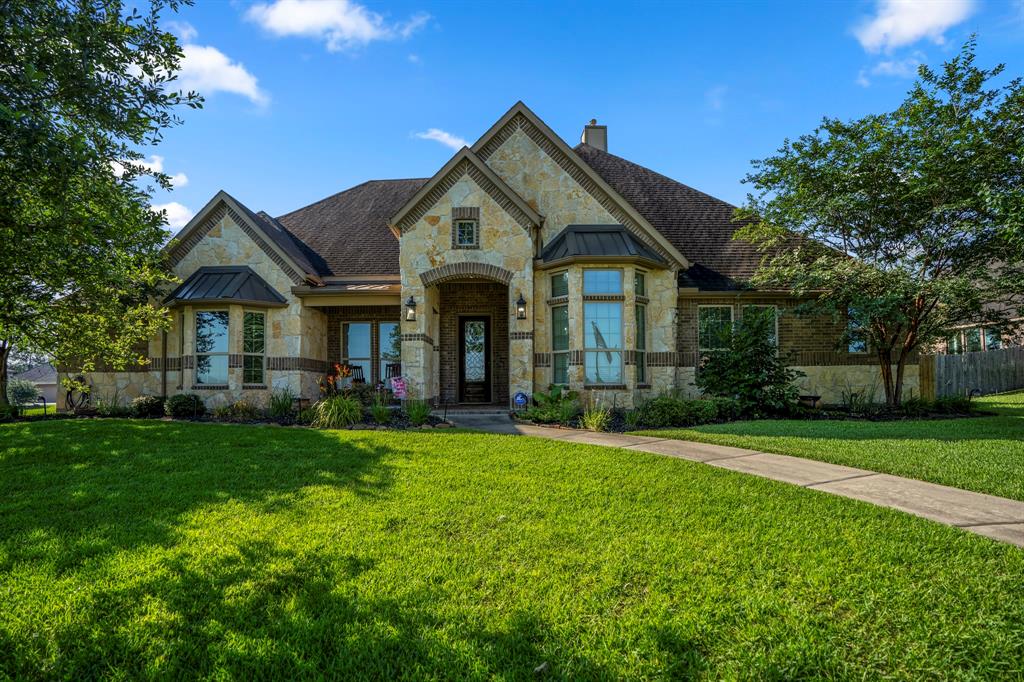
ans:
(134, 549)
(984, 454)
(39, 411)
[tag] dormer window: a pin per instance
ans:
(466, 227)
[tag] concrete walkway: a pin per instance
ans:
(994, 517)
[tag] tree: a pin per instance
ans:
(83, 87)
(900, 220)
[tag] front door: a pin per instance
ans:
(474, 360)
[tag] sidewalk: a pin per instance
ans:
(993, 517)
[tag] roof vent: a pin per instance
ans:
(596, 136)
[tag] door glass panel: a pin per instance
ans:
(474, 351)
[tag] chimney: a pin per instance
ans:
(596, 136)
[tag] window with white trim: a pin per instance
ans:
(714, 327)
(973, 340)
(993, 339)
(212, 347)
(254, 347)
(856, 338)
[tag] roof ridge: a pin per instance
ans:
(652, 172)
(349, 189)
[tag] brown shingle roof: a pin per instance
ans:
(347, 233)
(697, 224)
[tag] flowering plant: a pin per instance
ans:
(330, 383)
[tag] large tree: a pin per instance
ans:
(84, 87)
(902, 221)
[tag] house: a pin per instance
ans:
(520, 263)
(44, 377)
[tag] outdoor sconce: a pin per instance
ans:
(521, 308)
(410, 310)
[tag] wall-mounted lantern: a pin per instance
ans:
(521, 308)
(410, 310)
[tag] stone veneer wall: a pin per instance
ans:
(474, 298)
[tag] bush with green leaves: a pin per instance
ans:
(282, 403)
(418, 411)
(146, 406)
(21, 392)
(727, 409)
(239, 411)
(184, 406)
(337, 412)
(663, 411)
(557, 405)
(750, 369)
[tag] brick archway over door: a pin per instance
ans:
(468, 298)
(465, 271)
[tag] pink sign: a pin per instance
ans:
(398, 386)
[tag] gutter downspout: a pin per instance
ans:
(163, 364)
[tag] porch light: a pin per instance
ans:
(410, 310)
(521, 308)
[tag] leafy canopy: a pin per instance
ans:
(905, 218)
(83, 87)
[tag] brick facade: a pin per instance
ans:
(363, 313)
(474, 298)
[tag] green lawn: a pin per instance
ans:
(134, 549)
(984, 454)
(50, 408)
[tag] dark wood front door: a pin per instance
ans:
(474, 360)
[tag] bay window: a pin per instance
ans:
(602, 328)
(254, 347)
(212, 347)
(560, 345)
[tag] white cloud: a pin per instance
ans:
(414, 58)
(904, 22)
(341, 24)
(445, 138)
(207, 70)
(155, 165)
(185, 31)
(893, 68)
(715, 97)
(862, 79)
(178, 215)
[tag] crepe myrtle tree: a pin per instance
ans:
(901, 222)
(84, 85)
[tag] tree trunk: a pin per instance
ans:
(5, 352)
(885, 367)
(898, 389)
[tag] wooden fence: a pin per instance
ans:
(993, 371)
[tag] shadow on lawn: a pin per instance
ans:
(72, 490)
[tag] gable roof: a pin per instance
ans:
(40, 374)
(289, 254)
(465, 162)
(612, 242)
(591, 181)
(698, 224)
(228, 283)
(349, 232)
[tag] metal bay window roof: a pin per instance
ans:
(598, 243)
(225, 284)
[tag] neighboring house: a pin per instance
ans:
(522, 262)
(44, 377)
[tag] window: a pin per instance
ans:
(856, 339)
(467, 233)
(993, 340)
(639, 284)
(560, 345)
(714, 326)
(389, 348)
(768, 313)
(355, 347)
(641, 344)
(973, 340)
(560, 285)
(955, 344)
(602, 342)
(212, 348)
(254, 345)
(602, 281)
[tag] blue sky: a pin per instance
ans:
(305, 98)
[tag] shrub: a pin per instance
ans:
(21, 392)
(727, 409)
(282, 403)
(701, 412)
(750, 369)
(8, 412)
(596, 418)
(364, 393)
(239, 411)
(418, 411)
(306, 416)
(632, 419)
(337, 412)
(379, 410)
(663, 411)
(146, 406)
(555, 406)
(952, 405)
(110, 407)
(184, 406)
